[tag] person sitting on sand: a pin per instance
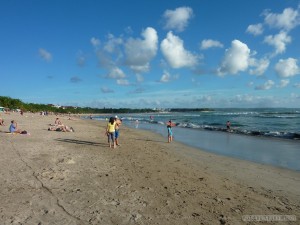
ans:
(2, 122)
(57, 121)
(13, 128)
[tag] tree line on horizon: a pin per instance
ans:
(13, 104)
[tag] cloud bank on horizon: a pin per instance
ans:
(172, 63)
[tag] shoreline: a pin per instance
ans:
(74, 178)
(236, 146)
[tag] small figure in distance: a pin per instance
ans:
(136, 124)
(228, 125)
(170, 133)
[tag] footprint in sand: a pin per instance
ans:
(70, 161)
(66, 161)
(53, 175)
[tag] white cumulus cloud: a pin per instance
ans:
(95, 42)
(44, 54)
(172, 48)
(178, 19)
(284, 83)
(167, 77)
(236, 59)
(139, 52)
(112, 43)
(255, 29)
(266, 86)
(208, 43)
(279, 41)
(286, 20)
(287, 67)
(116, 73)
(260, 66)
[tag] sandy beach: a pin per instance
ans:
(68, 178)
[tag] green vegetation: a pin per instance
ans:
(14, 104)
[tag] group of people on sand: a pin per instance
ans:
(59, 126)
(113, 131)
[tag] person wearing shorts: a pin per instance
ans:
(117, 129)
(170, 134)
(110, 130)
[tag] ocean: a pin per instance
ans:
(267, 136)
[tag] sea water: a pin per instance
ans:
(267, 136)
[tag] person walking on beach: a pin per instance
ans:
(110, 130)
(117, 129)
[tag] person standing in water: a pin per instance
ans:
(170, 132)
(228, 124)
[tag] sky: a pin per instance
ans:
(151, 53)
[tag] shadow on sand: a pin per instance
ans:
(80, 142)
(139, 139)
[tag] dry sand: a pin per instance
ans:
(60, 178)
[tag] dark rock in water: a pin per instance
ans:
(256, 133)
(296, 136)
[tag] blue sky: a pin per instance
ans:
(157, 54)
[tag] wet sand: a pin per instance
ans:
(51, 177)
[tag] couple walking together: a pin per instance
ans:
(112, 131)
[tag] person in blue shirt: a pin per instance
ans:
(13, 128)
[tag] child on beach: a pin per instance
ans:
(170, 133)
